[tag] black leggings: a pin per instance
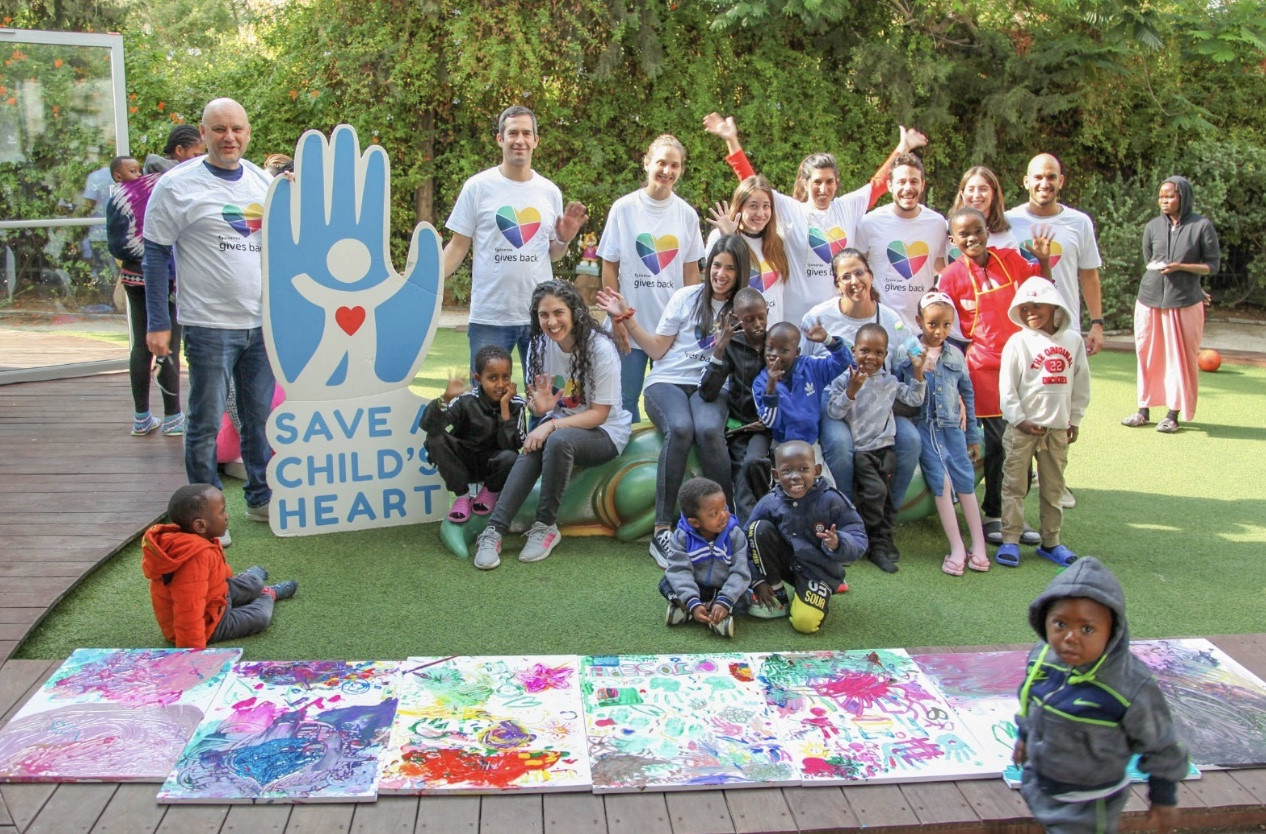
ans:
(140, 360)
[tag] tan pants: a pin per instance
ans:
(1051, 452)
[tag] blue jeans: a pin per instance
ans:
(837, 448)
(213, 356)
(632, 372)
(508, 336)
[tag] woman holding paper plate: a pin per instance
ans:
(1179, 247)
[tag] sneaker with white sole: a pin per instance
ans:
(145, 426)
(1067, 501)
(488, 549)
(725, 628)
(174, 425)
(226, 539)
(259, 513)
(676, 615)
(661, 546)
(541, 541)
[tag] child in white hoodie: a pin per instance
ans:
(1044, 387)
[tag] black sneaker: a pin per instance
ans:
(661, 546)
(1030, 537)
(282, 590)
(993, 531)
(882, 561)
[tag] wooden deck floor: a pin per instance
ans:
(75, 487)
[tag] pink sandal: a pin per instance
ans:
(980, 563)
(951, 566)
(460, 511)
(485, 500)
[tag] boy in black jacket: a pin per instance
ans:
(739, 357)
(476, 434)
(804, 533)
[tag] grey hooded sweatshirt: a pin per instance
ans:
(1192, 240)
(1081, 724)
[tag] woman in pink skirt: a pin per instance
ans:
(1178, 247)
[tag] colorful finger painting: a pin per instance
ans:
(487, 725)
(113, 715)
(1219, 707)
(680, 722)
(862, 716)
(290, 731)
(981, 687)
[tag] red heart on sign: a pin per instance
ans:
(350, 318)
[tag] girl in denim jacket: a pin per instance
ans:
(948, 451)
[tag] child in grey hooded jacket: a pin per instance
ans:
(1086, 706)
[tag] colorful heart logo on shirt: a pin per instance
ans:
(1026, 250)
(763, 277)
(245, 221)
(828, 244)
(518, 226)
(656, 252)
(907, 257)
(705, 340)
(565, 390)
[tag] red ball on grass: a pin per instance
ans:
(1209, 359)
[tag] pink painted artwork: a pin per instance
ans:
(866, 716)
(289, 731)
(487, 725)
(113, 715)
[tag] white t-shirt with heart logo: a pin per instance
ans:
(902, 254)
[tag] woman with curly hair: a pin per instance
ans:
(681, 347)
(573, 373)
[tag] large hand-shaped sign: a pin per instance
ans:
(346, 333)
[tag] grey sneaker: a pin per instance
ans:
(725, 628)
(282, 590)
(676, 615)
(226, 539)
(488, 549)
(256, 570)
(541, 541)
(1067, 500)
(661, 546)
(259, 513)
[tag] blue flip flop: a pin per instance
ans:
(1008, 555)
(1058, 554)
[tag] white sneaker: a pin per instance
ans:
(541, 541)
(661, 546)
(725, 628)
(226, 539)
(676, 615)
(1067, 500)
(488, 549)
(259, 513)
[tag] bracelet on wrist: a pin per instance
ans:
(625, 316)
(1099, 322)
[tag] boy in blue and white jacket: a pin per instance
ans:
(788, 392)
(707, 575)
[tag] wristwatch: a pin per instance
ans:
(1099, 322)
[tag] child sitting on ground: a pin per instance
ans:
(1087, 705)
(197, 599)
(737, 358)
(802, 533)
(946, 451)
(788, 391)
(1044, 388)
(474, 434)
(707, 575)
(863, 398)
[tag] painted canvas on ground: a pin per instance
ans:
(113, 715)
(866, 716)
(981, 687)
(488, 724)
(1219, 707)
(290, 731)
(680, 722)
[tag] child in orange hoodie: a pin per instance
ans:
(197, 599)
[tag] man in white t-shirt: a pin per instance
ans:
(1075, 257)
(904, 241)
(516, 221)
(208, 212)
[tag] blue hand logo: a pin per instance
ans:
(339, 320)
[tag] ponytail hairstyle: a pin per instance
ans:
(584, 330)
(771, 241)
(808, 165)
(736, 248)
(853, 254)
(996, 219)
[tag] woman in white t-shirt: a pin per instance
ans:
(573, 370)
(650, 248)
(858, 304)
(752, 214)
(681, 346)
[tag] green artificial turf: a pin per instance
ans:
(1180, 518)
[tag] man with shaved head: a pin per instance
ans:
(206, 212)
(1075, 257)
